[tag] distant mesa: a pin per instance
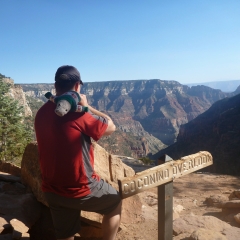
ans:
(225, 86)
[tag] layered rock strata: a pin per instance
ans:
(147, 112)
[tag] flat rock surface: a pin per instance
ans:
(19, 209)
(230, 204)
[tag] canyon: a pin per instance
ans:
(218, 131)
(147, 113)
(156, 117)
(206, 204)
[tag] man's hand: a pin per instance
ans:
(83, 101)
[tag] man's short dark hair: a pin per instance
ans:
(66, 77)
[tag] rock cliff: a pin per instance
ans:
(38, 90)
(217, 131)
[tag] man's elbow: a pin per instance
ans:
(110, 129)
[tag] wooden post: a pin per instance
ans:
(162, 176)
(165, 206)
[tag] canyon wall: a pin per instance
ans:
(154, 106)
(217, 131)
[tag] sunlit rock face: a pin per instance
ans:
(159, 106)
(38, 90)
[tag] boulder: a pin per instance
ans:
(17, 202)
(237, 218)
(229, 204)
(190, 224)
(150, 198)
(19, 209)
(215, 200)
(234, 195)
(109, 167)
(30, 171)
(178, 208)
(229, 218)
(183, 236)
(6, 167)
(205, 234)
(237, 193)
(232, 218)
(230, 211)
(9, 178)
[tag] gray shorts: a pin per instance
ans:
(66, 211)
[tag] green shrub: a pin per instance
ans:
(146, 160)
(14, 134)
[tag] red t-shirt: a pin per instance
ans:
(65, 150)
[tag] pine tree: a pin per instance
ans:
(14, 135)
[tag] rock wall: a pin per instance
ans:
(10, 168)
(216, 131)
(108, 166)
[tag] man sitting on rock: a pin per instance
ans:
(69, 181)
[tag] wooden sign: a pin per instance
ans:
(163, 173)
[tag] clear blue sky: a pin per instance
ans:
(184, 40)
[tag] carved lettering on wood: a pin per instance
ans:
(164, 173)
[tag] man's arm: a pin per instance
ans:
(111, 126)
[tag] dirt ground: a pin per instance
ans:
(191, 192)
